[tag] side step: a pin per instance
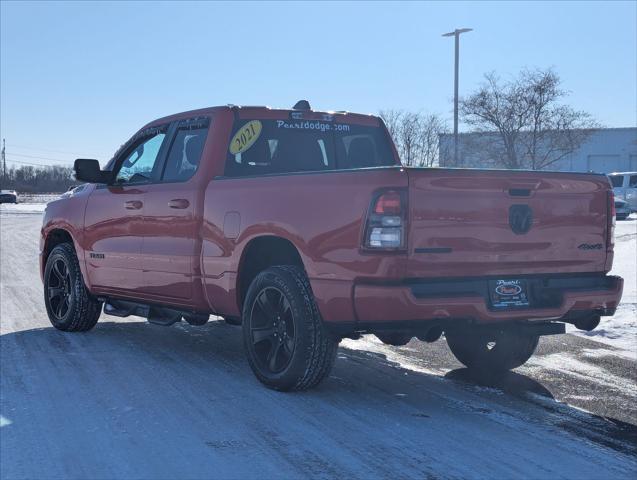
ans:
(154, 314)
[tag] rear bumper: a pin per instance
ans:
(555, 298)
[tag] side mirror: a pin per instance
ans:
(88, 170)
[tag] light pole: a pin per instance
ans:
(456, 33)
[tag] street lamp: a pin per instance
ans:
(456, 33)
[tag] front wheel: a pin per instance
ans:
(492, 352)
(287, 345)
(69, 305)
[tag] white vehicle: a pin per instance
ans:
(8, 196)
(622, 209)
(625, 187)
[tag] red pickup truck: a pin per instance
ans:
(303, 227)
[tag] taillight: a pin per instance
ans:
(385, 229)
(610, 228)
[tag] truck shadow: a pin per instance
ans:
(121, 366)
(512, 383)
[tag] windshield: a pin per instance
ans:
(259, 147)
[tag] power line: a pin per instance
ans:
(25, 147)
(38, 157)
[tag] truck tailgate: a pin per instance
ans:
(490, 222)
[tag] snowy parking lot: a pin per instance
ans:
(135, 400)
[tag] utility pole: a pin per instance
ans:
(456, 33)
(4, 164)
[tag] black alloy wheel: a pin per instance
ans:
(59, 289)
(272, 330)
(287, 345)
(69, 304)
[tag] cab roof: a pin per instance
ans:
(265, 112)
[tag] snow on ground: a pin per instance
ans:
(620, 331)
(135, 400)
(28, 203)
(22, 208)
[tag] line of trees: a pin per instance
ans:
(34, 179)
(416, 135)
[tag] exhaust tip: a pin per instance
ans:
(587, 323)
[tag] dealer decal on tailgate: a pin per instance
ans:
(508, 294)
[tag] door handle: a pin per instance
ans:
(179, 203)
(133, 205)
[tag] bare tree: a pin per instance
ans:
(431, 127)
(392, 120)
(416, 136)
(30, 179)
(524, 122)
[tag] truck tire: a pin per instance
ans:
(497, 352)
(69, 305)
(287, 345)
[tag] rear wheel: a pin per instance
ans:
(69, 305)
(287, 345)
(494, 351)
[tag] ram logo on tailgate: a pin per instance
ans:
(520, 218)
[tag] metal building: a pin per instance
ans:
(605, 150)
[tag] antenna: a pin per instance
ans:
(302, 105)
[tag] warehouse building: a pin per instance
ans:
(605, 150)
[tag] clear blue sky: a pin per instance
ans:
(80, 78)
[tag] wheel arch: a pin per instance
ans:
(260, 253)
(52, 239)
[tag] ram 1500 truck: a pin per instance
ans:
(303, 227)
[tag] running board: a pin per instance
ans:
(154, 314)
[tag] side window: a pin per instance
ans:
(360, 151)
(138, 165)
(616, 180)
(185, 154)
(632, 182)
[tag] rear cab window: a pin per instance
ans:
(305, 142)
(616, 180)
